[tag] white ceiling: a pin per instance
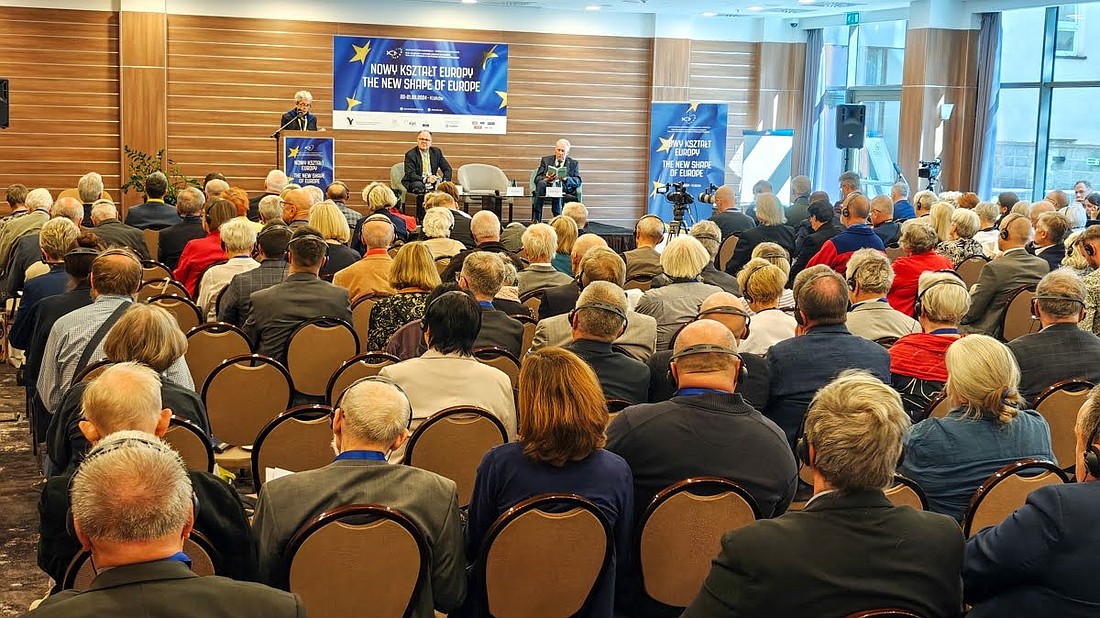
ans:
(724, 8)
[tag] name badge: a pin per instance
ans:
(513, 192)
(553, 192)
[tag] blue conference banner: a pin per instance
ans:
(688, 145)
(310, 160)
(408, 84)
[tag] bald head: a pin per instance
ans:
(584, 244)
(1038, 209)
(70, 208)
(858, 207)
(696, 367)
(377, 234)
(1019, 232)
(296, 205)
(216, 187)
(723, 307)
(725, 198)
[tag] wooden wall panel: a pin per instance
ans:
(230, 79)
(727, 72)
(143, 87)
(63, 67)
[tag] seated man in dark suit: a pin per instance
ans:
(1038, 562)
(425, 167)
(727, 215)
(274, 183)
(485, 229)
(1000, 278)
(849, 549)
(1061, 350)
(140, 411)
(599, 319)
(278, 310)
(172, 239)
(154, 214)
(1050, 231)
(729, 311)
(823, 225)
(561, 299)
(370, 421)
(644, 260)
(821, 349)
(549, 174)
(882, 220)
(114, 233)
(482, 275)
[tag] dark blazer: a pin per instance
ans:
(642, 262)
(843, 553)
(754, 388)
(461, 230)
(278, 310)
(1058, 352)
(310, 123)
(812, 244)
(621, 376)
(799, 210)
(572, 178)
(49, 310)
(732, 222)
(500, 331)
(1039, 561)
(455, 265)
(254, 206)
(559, 299)
(779, 234)
(339, 258)
(169, 589)
(27, 250)
(511, 307)
(999, 279)
(152, 215)
(1052, 254)
(220, 518)
(114, 233)
(888, 231)
(173, 238)
(799, 366)
(413, 166)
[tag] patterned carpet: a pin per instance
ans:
(20, 484)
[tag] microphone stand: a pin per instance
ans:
(275, 136)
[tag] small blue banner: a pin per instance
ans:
(409, 85)
(310, 160)
(687, 145)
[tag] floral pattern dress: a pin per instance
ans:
(391, 313)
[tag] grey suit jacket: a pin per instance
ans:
(168, 588)
(642, 261)
(1058, 352)
(428, 499)
(539, 276)
(999, 279)
(114, 233)
(639, 340)
(281, 308)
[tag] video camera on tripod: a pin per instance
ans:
(707, 197)
(930, 170)
(680, 199)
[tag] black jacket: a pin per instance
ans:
(621, 376)
(779, 234)
(173, 238)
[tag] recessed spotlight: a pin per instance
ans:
(592, 7)
(469, 1)
(806, 1)
(710, 14)
(755, 8)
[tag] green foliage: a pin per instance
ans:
(141, 164)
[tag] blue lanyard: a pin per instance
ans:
(372, 455)
(688, 392)
(485, 304)
(945, 331)
(180, 557)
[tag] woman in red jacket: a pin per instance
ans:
(918, 240)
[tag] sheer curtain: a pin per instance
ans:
(985, 118)
(811, 105)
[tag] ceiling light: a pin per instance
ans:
(755, 7)
(806, 1)
(592, 7)
(710, 14)
(469, 1)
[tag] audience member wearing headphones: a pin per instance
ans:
(381, 200)
(371, 420)
(770, 228)
(762, 285)
(855, 216)
(447, 374)
(483, 274)
(1089, 243)
(918, 241)
(989, 428)
(598, 320)
(822, 226)
(126, 397)
(1061, 350)
(278, 310)
(561, 299)
(371, 274)
(645, 260)
(708, 235)
(238, 238)
(540, 242)
(675, 304)
(560, 450)
(917, 367)
(866, 552)
(200, 253)
(1013, 269)
(485, 228)
(436, 229)
(1039, 561)
(727, 215)
(338, 193)
(869, 278)
(270, 251)
(798, 367)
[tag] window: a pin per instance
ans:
(1068, 41)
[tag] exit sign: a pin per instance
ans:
(851, 19)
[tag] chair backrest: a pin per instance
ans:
(906, 492)
(970, 269)
(210, 344)
(152, 242)
(204, 561)
(316, 349)
(639, 282)
(1017, 320)
(532, 300)
(681, 532)
(187, 313)
(92, 370)
(1059, 404)
(158, 287)
(482, 177)
(614, 406)
(938, 406)
(543, 557)
(725, 252)
(441, 264)
(151, 270)
(360, 319)
(501, 359)
(529, 328)
(243, 393)
(1006, 490)
(296, 440)
(886, 342)
(191, 443)
(893, 253)
(397, 172)
(885, 612)
(452, 442)
(333, 562)
(361, 366)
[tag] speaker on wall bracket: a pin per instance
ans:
(851, 121)
(3, 103)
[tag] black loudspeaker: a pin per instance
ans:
(3, 103)
(851, 123)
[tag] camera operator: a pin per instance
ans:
(727, 215)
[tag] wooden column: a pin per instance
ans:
(779, 96)
(940, 67)
(143, 87)
(671, 69)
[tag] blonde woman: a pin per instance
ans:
(778, 255)
(770, 228)
(566, 229)
(413, 275)
(327, 219)
(379, 198)
(961, 244)
(988, 429)
(762, 284)
(940, 216)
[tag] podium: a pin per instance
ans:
(280, 140)
(309, 157)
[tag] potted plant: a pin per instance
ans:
(141, 164)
